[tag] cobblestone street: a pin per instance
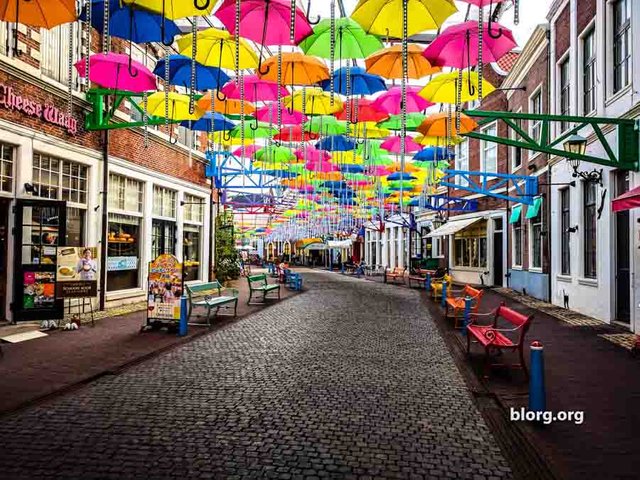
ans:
(350, 379)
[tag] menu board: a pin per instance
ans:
(165, 288)
(78, 272)
(39, 290)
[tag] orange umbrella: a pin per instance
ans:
(388, 63)
(38, 13)
(297, 69)
(228, 106)
(436, 125)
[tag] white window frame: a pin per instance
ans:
(566, 58)
(12, 173)
(530, 246)
(513, 135)
(582, 41)
(486, 146)
(537, 93)
(611, 34)
(459, 164)
(514, 257)
(161, 216)
(60, 52)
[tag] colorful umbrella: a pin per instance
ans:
(207, 78)
(326, 125)
(247, 151)
(335, 143)
(38, 13)
(441, 125)
(445, 88)
(350, 40)
(312, 155)
(437, 141)
(297, 69)
(269, 113)
(388, 63)
(384, 17)
(391, 101)
(318, 102)
(359, 81)
(368, 130)
(362, 110)
(393, 145)
(250, 132)
(228, 106)
(117, 71)
(395, 121)
(294, 134)
(434, 154)
(177, 106)
(174, 9)
(255, 89)
(209, 123)
(130, 23)
(217, 48)
(275, 154)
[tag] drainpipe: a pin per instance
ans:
(212, 229)
(105, 213)
(549, 173)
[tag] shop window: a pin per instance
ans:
(565, 220)
(125, 194)
(489, 152)
(590, 214)
(163, 238)
(75, 227)
(517, 242)
(193, 208)
(192, 244)
(589, 72)
(565, 90)
(6, 167)
(57, 179)
(164, 202)
(462, 162)
(123, 252)
(536, 241)
(621, 44)
(470, 247)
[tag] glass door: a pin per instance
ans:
(40, 230)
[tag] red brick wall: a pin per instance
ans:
(586, 13)
(563, 32)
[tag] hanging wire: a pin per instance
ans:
(87, 27)
(480, 53)
(516, 12)
(348, 93)
(280, 83)
(145, 118)
(70, 71)
(237, 39)
(459, 83)
(194, 53)
(405, 79)
(167, 74)
(292, 35)
(105, 29)
(333, 49)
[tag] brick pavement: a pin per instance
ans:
(348, 379)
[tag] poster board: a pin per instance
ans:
(164, 288)
(78, 272)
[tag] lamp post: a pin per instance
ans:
(577, 145)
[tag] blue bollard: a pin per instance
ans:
(467, 315)
(184, 319)
(537, 391)
(444, 294)
(427, 282)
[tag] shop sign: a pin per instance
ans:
(77, 272)
(47, 112)
(165, 288)
(121, 264)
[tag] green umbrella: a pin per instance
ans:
(275, 154)
(263, 131)
(395, 122)
(351, 41)
(326, 125)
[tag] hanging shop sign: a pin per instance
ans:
(165, 288)
(77, 272)
(47, 112)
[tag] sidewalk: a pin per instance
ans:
(33, 370)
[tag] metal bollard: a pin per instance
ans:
(427, 282)
(444, 294)
(537, 391)
(467, 315)
(184, 318)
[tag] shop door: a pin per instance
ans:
(41, 227)
(4, 233)
(623, 257)
(163, 238)
(498, 272)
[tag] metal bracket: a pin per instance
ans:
(484, 183)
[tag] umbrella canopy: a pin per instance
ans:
(395, 121)
(312, 155)
(178, 107)
(38, 13)
(318, 102)
(362, 110)
(336, 143)
(208, 123)
(434, 154)
(275, 154)
(269, 113)
(360, 82)
(131, 23)
(440, 124)
(326, 125)
(207, 78)
(384, 17)
(368, 130)
(247, 151)
(626, 201)
(391, 101)
(263, 131)
(297, 69)
(393, 144)
(228, 106)
(117, 71)
(350, 40)
(267, 22)
(295, 134)
(173, 10)
(444, 88)
(255, 89)
(388, 63)
(217, 48)
(458, 45)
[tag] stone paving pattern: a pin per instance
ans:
(350, 379)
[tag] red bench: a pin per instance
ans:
(394, 276)
(494, 339)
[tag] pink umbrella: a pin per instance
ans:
(249, 151)
(270, 114)
(457, 46)
(378, 171)
(117, 71)
(255, 90)
(393, 145)
(391, 101)
(267, 22)
(313, 155)
(324, 167)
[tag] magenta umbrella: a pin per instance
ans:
(458, 45)
(269, 114)
(312, 155)
(391, 101)
(255, 90)
(393, 145)
(249, 151)
(117, 71)
(324, 167)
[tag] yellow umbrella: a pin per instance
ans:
(217, 48)
(174, 9)
(384, 17)
(346, 157)
(432, 141)
(318, 102)
(178, 107)
(221, 139)
(444, 88)
(368, 129)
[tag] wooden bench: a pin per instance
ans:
(209, 296)
(419, 277)
(264, 286)
(392, 276)
(436, 285)
(455, 305)
(493, 338)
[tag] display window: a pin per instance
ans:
(123, 252)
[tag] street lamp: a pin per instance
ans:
(577, 145)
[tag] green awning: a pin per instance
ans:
(533, 210)
(515, 214)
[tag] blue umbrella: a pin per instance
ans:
(400, 176)
(335, 185)
(131, 23)
(434, 154)
(276, 173)
(336, 143)
(351, 168)
(220, 122)
(362, 83)
(207, 78)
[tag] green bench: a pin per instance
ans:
(209, 296)
(259, 283)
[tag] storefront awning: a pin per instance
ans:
(533, 210)
(627, 201)
(515, 214)
(315, 246)
(340, 243)
(453, 227)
